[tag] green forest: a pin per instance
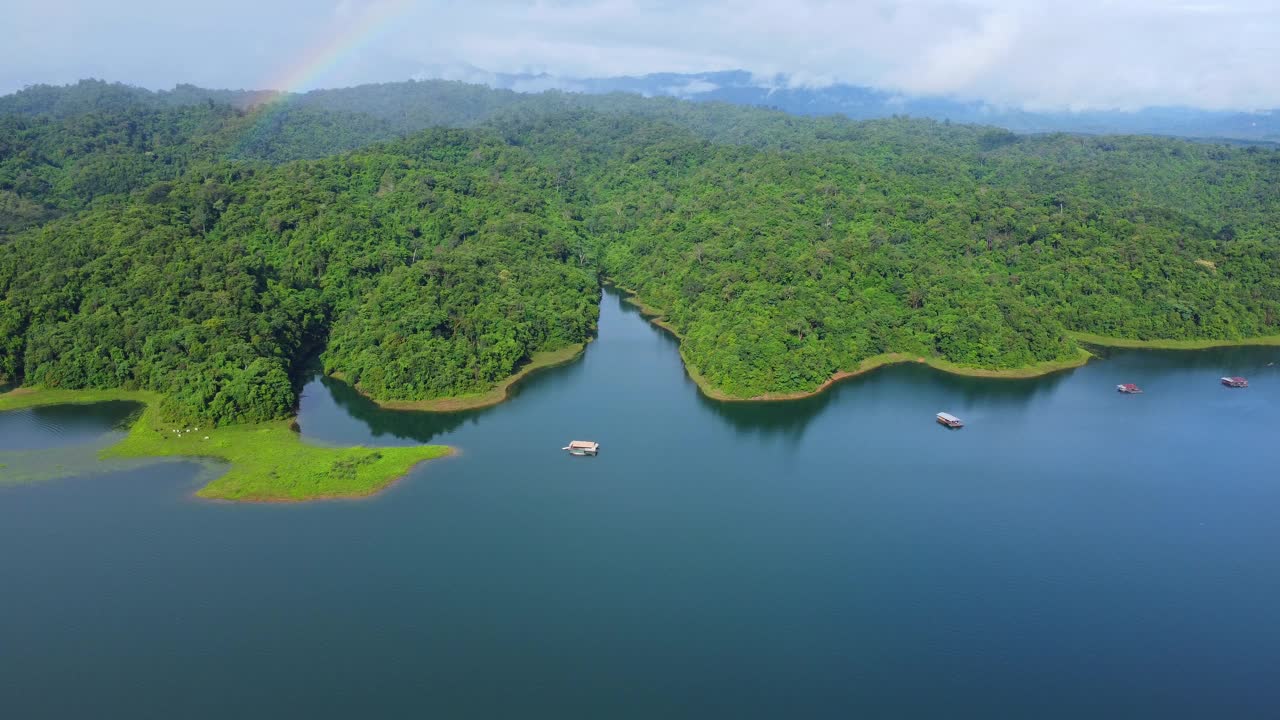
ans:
(425, 239)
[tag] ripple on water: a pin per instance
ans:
(62, 426)
(62, 441)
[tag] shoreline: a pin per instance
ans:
(267, 462)
(875, 362)
(499, 394)
(655, 316)
(1111, 342)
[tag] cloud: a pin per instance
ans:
(1022, 53)
(961, 58)
(697, 86)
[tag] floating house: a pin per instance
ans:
(950, 420)
(582, 447)
(1235, 382)
(1129, 389)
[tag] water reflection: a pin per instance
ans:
(632, 369)
(845, 530)
(787, 419)
(784, 419)
(1231, 360)
(403, 424)
(791, 417)
(331, 410)
(58, 426)
(55, 441)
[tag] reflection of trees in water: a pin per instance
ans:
(1005, 393)
(789, 418)
(423, 426)
(1164, 362)
(57, 426)
(786, 419)
(403, 424)
(627, 307)
(877, 391)
(106, 415)
(56, 441)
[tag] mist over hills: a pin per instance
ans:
(463, 96)
(861, 103)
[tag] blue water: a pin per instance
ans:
(1072, 552)
(66, 425)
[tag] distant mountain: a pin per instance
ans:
(92, 95)
(462, 97)
(742, 88)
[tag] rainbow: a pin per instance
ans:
(366, 23)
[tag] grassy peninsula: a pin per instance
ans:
(268, 462)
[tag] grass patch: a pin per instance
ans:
(1105, 341)
(268, 461)
(498, 394)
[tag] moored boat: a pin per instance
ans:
(1129, 388)
(582, 447)
(1235, 382)
(950, 420)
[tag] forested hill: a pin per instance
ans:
(780, 268)
(430, 267)
(414, 105)
(294, 125)
(181, 247)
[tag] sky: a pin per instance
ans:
(1033, 54)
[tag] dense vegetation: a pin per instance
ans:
(978, 247)
(431, 267)
(184, 245)
(51, 166)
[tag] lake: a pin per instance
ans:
(1072, 552)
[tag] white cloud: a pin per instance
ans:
(1028, 53)
(696, 86)
(961, 58)
(540, 83)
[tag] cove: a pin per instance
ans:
(1072, 552)
(55, 426)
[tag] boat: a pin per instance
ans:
(582, 447)
(950, 420)
(1129, 388)
(1235, 382)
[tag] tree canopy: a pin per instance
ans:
(207, 248)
